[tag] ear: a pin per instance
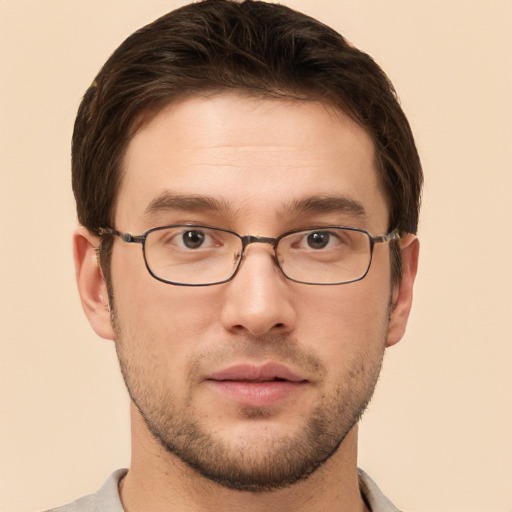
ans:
(91, 285)
(402, 293)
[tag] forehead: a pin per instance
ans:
(251, 155)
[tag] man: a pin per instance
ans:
(248, 191)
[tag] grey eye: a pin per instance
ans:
(318, 239)
(193, 239)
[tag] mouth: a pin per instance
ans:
(257, 373)
(256, 385)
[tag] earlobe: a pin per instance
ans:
(91, 285)
(403, 292)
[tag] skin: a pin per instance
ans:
(257, 158)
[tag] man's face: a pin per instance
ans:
(254, 382)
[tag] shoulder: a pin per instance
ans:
(373, 496)
(105, 500)
(84, 504)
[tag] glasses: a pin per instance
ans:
(190, 255)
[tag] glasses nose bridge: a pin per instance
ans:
(251, 239)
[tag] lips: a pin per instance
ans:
(266, 372)
(256, 385)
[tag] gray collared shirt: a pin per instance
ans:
(107, 498)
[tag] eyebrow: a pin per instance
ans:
(170, 201)
(326, 204)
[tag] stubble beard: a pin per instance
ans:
(262, 463)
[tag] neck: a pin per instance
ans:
(159, 481)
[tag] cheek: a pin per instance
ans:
(149, 311)
(345, 321)
(160, 332)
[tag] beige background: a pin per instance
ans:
(438, 435)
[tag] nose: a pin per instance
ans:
(259, 300)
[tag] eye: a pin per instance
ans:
(314, 240)
(323, 243)
(318, 239)
(193, 239)
(186, 239)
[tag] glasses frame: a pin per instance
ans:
(247, 240)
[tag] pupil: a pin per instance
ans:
(318, 240)
(193, 239)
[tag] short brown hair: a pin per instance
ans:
(252, 46)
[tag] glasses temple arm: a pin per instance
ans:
(125, 237)
(394, 235)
